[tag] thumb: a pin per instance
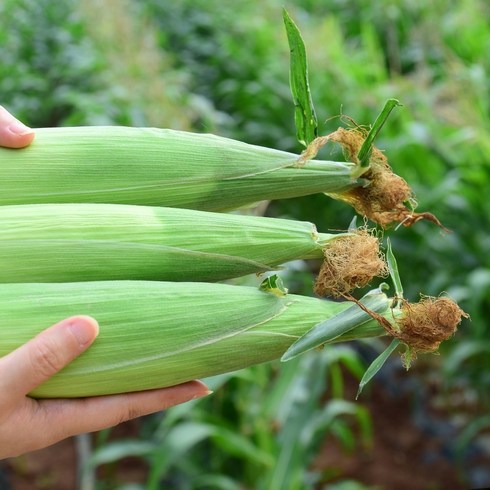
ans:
(42, 357)
(13, 134)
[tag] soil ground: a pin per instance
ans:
(402, 455)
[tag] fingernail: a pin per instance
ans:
(85, 329)
(206, 393)
(20, 129)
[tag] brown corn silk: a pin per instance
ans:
(350, 262)
(384, 199)
(424, 325)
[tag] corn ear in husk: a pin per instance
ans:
(88, 242)
(155, 334)
(159, 167)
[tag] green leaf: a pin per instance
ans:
(178, 441)
(304, 115)
(274, 285)
(336, 409)
(217, 482)
(365, 152)
(463, 352)
(376, 365)
(470, 432)
(241, 446)
(338, 325)
(121, 449)
(393, 268)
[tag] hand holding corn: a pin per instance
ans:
(27, 424)
(158, 334)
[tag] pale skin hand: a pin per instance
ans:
(27, 424)
(13, 134)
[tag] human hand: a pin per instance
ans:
(27, 424)
(13, 134)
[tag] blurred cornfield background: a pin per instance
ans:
(222, 67)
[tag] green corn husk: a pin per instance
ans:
(88, 242)
(159, 167)
(155, 334)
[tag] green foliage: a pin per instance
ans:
(261, 429)
(69, 63)
(141, 77)
(48, 65)
(239, 63)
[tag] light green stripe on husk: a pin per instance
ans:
(155, 334)
(87, 242)
(158, 167)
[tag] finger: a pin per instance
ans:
(13, 134)
(39, 359)
(76, 416)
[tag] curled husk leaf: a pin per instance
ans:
(350, 262)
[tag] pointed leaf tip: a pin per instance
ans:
(376, 365)
(304, 115)
(337, 325)
(364, 154)
(393, 268)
